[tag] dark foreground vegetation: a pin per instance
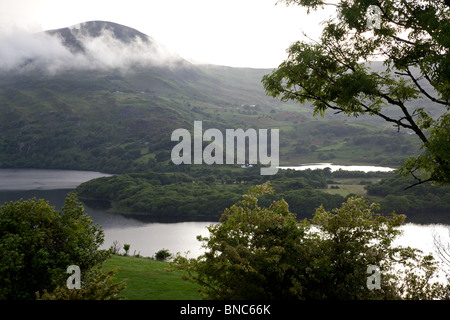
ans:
(259, 252)
(255, 252)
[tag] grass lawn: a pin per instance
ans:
(346, 189)
(149, 280)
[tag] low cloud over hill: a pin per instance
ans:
(89, 45)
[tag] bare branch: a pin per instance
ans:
(416, 82)
(408, 116)
(418, 183)
(442, 251)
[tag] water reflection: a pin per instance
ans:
(54, 197)
(43, 179)
(147, 239)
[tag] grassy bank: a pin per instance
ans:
(148, 279)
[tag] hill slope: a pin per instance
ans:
(106, 97)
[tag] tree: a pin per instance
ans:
(163, 255)
(336, 73)
(252, 253)
(126, 247)
(38, 243)
(265, 253)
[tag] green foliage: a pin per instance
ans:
(336, 73)
(190, 195)
(265, 253)
(431, 199)
(176, 195)
(98, 285)
(163, 255)
(251, 253)
(424, 167)
(126, 247)
(38, 243)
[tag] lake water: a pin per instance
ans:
(148, 238)
(32, 179)
(335, 167)
(144, 238)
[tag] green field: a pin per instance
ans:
(149, 279)
(348, 186)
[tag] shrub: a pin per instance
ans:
(38, 243)
(163, 255)
(98, 285)
(126, 247)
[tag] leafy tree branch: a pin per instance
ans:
(337, 72)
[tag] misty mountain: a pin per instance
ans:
(105, 97)
(92, 45)
(72, 37)
(102, 96)
(83, 37)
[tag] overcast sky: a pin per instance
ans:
(239, 33)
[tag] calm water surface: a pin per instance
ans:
(33, 179)
(144, 238)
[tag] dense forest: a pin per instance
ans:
(203, 193)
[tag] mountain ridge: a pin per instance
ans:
(90, 45)
(72, 36)
(117, 117)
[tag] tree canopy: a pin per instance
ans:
(37, 245)
(261, 252)
(412, 88)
